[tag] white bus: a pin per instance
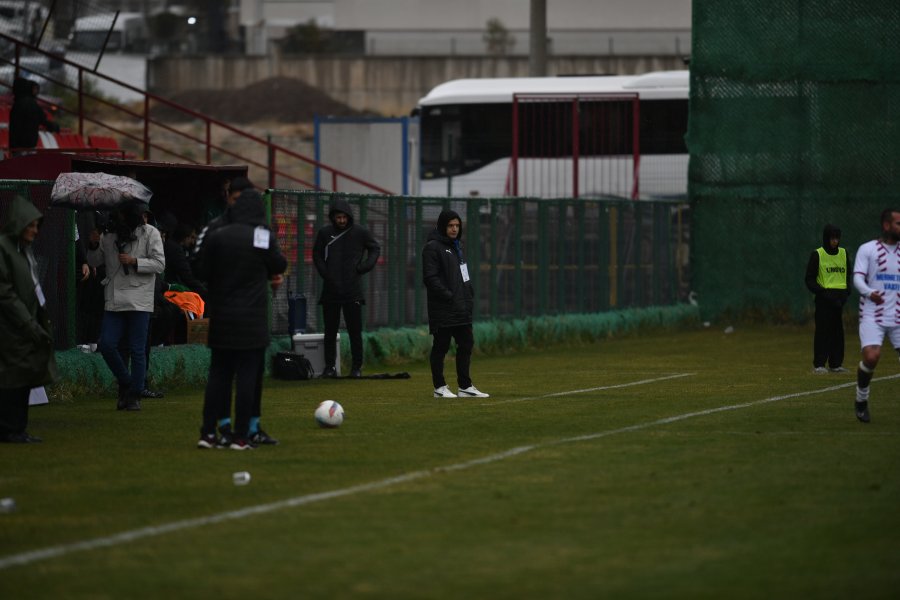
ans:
(603, 136)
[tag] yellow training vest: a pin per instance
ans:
(832, 269)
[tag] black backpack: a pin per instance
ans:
(287, 365)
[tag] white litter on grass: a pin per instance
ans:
(26, 558)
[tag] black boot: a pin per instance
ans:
(132, 400)
(123, 393)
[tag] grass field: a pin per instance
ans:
(689, 465)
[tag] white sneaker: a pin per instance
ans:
(820, 370)
(472, 392)
(443, 392)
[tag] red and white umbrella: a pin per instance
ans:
(96, 191)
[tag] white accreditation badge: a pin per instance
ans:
(261, 238)
(39, 292)
(464, 269)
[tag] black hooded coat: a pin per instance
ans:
(339, 257)
(238, 261)
(26, 116)
(450, 299)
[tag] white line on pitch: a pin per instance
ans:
(26, 558)
(593, 389)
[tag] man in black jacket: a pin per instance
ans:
(239, 260)
(450, 303)
(343, 252)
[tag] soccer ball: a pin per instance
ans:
(329, 414)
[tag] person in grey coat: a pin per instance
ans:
(132, 253)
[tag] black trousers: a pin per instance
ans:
(331, 314)
(227, 367)
(828, 342)
(13, 410)
(465, 342)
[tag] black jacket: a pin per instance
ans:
(26, 116)
(450, 300)
(178, 268)
(345, 262)
(237, 270)
(827, 297)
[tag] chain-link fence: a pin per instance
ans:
(794, 122)
(528, 257)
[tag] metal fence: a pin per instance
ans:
(528, 257)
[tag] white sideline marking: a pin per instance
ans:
(145, 532)
(594, 389)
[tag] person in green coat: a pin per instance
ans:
(26, 343)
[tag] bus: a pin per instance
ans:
(587, 137)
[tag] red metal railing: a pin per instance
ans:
(283, 167)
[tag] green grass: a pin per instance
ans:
(791, 498)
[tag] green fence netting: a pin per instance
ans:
(188, 364)
(794, 122)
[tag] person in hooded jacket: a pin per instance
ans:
(239, 261)
(343, 252)
(450, 303)
(828, 276)
(26, 116)
(26, 343)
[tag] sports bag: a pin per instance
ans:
(290, 366)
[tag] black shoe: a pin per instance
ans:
(261, 438)
(207, 441)
(22, 438)
(328, 373)
(132, 401)
(123, 393)
(151, 394)
(356, 373)
(862, 411)
(226, 436)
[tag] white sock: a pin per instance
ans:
(862, 394)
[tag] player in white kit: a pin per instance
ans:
(876, 276)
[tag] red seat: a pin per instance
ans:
(103, 142)
(4, 113)
(70, 140)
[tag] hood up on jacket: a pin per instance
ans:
(21, 213)
(440, 232)
(829, 232)
(23, 87)
(339, 205)
(248, 208)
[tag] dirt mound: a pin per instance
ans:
(281, 99)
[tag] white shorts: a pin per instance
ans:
(872, 334)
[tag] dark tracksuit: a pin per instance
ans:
(239, 259)
(828, 342)
(342, 257)
(450, 301)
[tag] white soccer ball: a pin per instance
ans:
(329, 414)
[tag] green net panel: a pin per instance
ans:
(794, 123)
(528, 257)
